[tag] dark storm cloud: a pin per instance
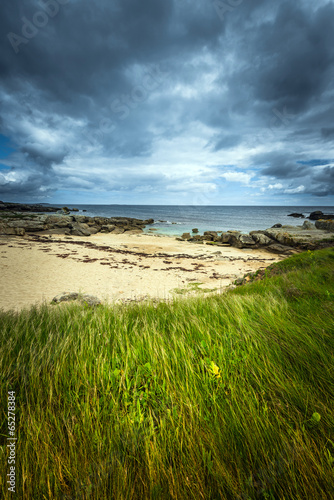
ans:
(104, 81)
(281, 166)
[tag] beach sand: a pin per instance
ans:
(123, 267)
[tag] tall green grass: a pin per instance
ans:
(204, 398)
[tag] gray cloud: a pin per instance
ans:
(159, 87)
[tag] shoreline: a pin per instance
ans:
(118, 267)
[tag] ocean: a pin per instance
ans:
(174, 220)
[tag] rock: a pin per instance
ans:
(276, 225)
(80, 229)
(207, 237)
(246, 240)
(261, 239)
(280, 249)
(119, 230)
(195, 230)
(108, 228)
(308, 225)
(225, 237)
(186, 236)
(82, 218)
(75, 210)
(58, 221)
(211, 236)
(90, 300)
(148, 221)
(316, 215)
(20, 207)
(241, 240)
(325, 225)
(11, 231)
(84, 210)
(29, 225)
(297, 215)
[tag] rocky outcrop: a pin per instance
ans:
(318, 214)
(301, 216)
(278, 239)
(12, 223)
(325, 225)
(20, 207)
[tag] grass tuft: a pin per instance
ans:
(228, 396)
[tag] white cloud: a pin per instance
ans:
(299, 189)
(241, 177)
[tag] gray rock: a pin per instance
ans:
(11, 231)
(297, 215)
(241, 240)
(108, 228)
(29, 225)
(279, 249)
(186, 236)
(261, 239)
(79, 229)
(317, 214)
(276, 226)
(90, 300)
(325, 225)
(308, 225)
(58, 221)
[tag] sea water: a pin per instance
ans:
(174, 220)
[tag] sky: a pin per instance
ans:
(198, 102)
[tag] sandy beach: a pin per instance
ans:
(122, 267)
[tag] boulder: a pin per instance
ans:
(186, 236)
(297, 215)
(82, 218)
(75, 210)
(212, 236)
(11, 231)
(29, 225)
(325, 225)
(246, 240)
(195, 230)
(308, 225)
(276, 226)
(107, 228)
(118, 230)
(90, 300)
(317, 214)
(261, 239)
(280, 249)
(241, 240)
(225, 237)
(58, 221)
(80, 229)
